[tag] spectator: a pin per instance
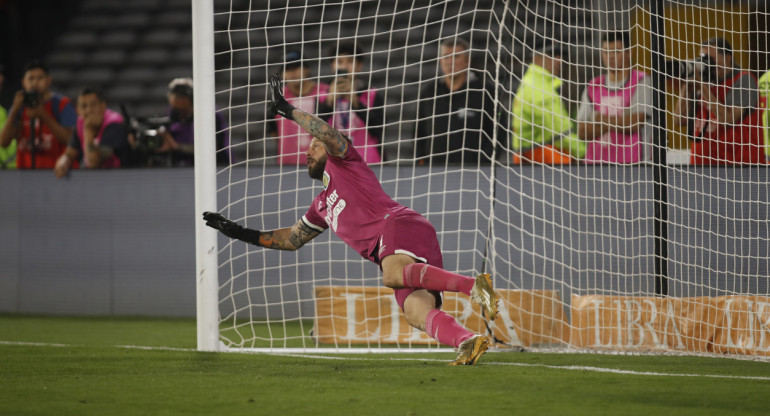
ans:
(542, 129)
(718, 103)
(354, 107)
(302, 92)
(455, 122)
(100, 136)
(7, 153)
(178, 138)
(41, 120)
(764, 96)
(616, 106)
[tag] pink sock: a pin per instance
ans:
(425, 276)
(444, 328)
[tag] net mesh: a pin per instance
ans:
(659, 255)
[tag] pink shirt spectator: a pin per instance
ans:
(612, 146)
(110, 117)
(349, 123)
(615, 147)
(292, 140)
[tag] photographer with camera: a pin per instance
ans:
(42, 121)
(100, 137)
(178, 137)
(719, 104)
(352, 106)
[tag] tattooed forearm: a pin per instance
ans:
(336, 143)
(288, 238)
(267, 239)
(301, 234)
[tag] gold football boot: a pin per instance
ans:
(471, 350)
(483, 294)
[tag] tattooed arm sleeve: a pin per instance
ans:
(288, 238)
(335, 142)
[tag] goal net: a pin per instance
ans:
(615, 206)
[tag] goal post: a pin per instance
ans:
(207, 261)
(653, 254)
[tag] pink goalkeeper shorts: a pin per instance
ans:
(412, 234)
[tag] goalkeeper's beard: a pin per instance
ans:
(315, 168)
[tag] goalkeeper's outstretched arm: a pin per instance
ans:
(291, 238)
(335, 142)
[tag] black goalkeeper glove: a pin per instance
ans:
(279, 104)
(217, 221)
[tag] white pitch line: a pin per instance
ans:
(553, 367)
(330, 357)
(35, 344)
(629, 372)
(130, 347)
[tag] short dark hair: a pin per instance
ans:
(548, 48)
(722, 45)
(617, 36)
(92, 90)
(36, 64)
(453, 42)
(347, 48)
(293, 59)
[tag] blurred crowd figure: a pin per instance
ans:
(543, 131)
(616, 107)
(764, 96)
(178, 134)
(458, 121)
(351, 105)
(40, 120)
(100, 138)
(456, 115)
(44, 130)
(719, 105)
(303, 92)
(7, 153)
(348, 103)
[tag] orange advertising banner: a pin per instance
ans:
(370, 315)
(725, 324)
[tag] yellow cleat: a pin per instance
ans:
(471, 350)
(483, 294)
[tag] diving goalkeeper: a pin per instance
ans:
(401, 241)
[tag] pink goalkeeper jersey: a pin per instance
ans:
(353, 204)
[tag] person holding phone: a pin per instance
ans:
(351, 105)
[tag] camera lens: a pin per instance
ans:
(31, 98)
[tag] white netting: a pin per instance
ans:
(583, 251)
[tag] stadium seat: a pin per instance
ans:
(126, 94)
(135, 21)
(108, 57)
(149, 57)
(97, 76)
(163, 37)
(78, 40)
(119, 39)
(67, 58)
(136, 75)
(175, 19)
(62, 75)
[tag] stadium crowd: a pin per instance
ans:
(720, 105)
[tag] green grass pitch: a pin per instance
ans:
(114, 366)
